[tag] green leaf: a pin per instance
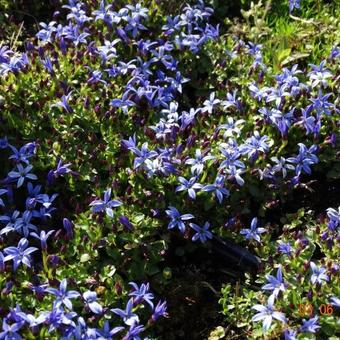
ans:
(257, 333)
(283, 54)
(217, 333)
(85, 258)
(294, 57)
(138, 218)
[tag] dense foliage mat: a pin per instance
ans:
(169, 171)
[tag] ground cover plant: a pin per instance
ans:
(170, 170)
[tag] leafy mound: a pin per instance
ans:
(190, 154)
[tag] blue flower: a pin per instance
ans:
(158, 166)
(143, 154)
(108, 50)
(235, 173)
(160, 55)
(281, 165)
(276, 284)
(254, 49)
(267, 314)
(333, 215)
(20, 254)
(13, 312)
(321, 104)
(160, 310)
(254, 145)
(105, 205)
(5, 53)
(278, 95)
(104, 13)
(108, 333)
(125, 68)
(177, 220)
(10, 331)
(91, 301)
(43, 238)
(335, 53)
(62, 295)
(63, 103)
(127, 315)
(2, 262)
(232, 127)
(39, 290)
(319, 74)
(253, 233)
(21, 174)
(32, 321)
(23, 154)
(335, 301)
(95, 77)
(126, 223)
(62, 169)
(45, 34)
(218, 188)
(190, 186)
(141, 294)
(202, 233)
(58, 318)
(304, 159)
(282, 121)
(197, 163)
(318, 275)
(33, 191)
(68, 226)
(4, 141)
(134, 331)
(285, 248)
(307, 120)
(232, 155)
(23, 224)
(2, 191)
(172, 25)
(288, 76)
(258, 93)
(134, 26)
(210, 103)
(290, 334)
(73, 34)
(310, 326)
(77, 13)
(137, 11)
(48, 65)
(232, 101)
(129, 143)
(293, 4)
(14, 65)
(188, 118)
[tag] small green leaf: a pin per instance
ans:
(85, 258)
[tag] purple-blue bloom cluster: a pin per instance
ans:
(72, 325)
(38, 206)
(275, 284)
(294, 4)
(177, 220)
(61, 317)
(293, 107)
(20, 254)
(267, 314)
(11, 62)
(106, 204)
(254, 232)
